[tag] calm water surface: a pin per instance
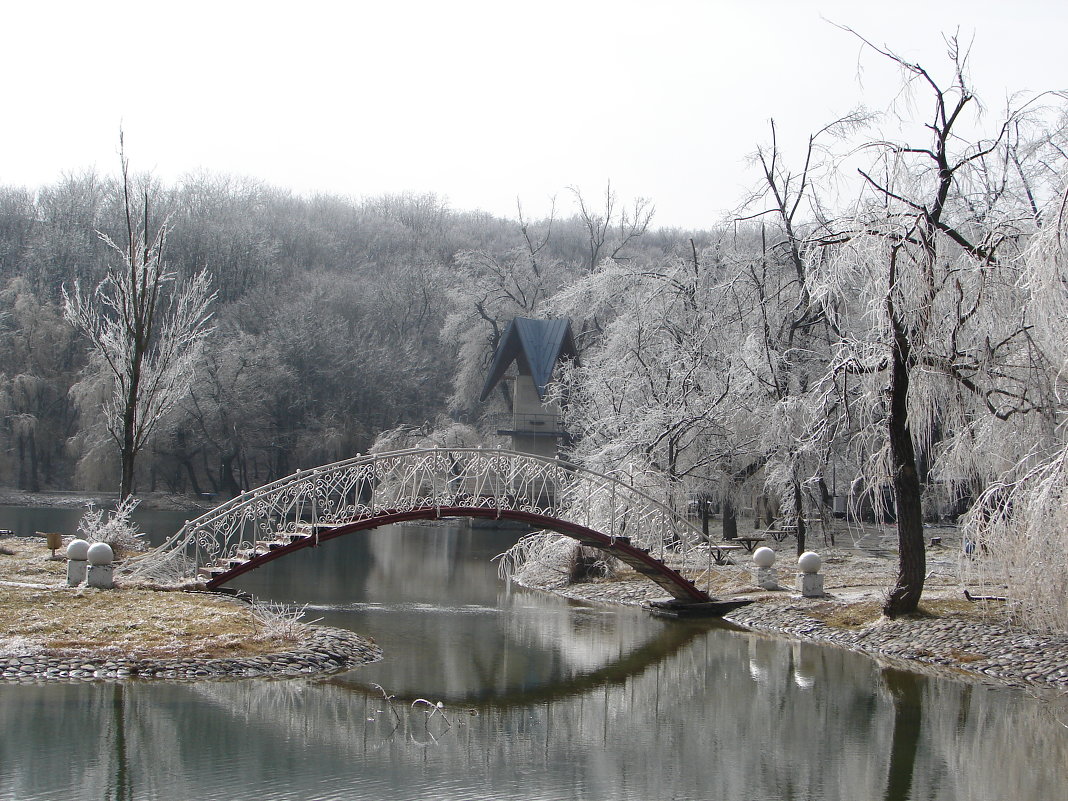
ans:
(541, 699)
(25, 521)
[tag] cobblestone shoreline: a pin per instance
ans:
(980, 650)
(949, 645)
(322, 651)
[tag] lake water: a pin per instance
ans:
(542, 699)
(25, 521)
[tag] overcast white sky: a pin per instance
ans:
(481, 102)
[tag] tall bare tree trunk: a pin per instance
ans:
(730, 520)
(912, 557)
(35, 479)
(799, 517)
(128, 452)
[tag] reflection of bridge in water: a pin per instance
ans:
(348, 712)
(671, 639)
(313, 506)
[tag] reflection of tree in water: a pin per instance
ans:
(583, 639)
(721, 716)
(100, 740)
(450, 628)
(122, 790)
(906, 692)
(424, 563)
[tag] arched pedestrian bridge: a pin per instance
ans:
(311, 507)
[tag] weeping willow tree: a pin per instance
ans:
(1019, 524)
(923, 276)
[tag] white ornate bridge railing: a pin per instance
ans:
(380, 484)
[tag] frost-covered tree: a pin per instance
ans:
(35, 410)
(922, 277)
(228, 413)
(650, 397)
(145, 330)
(788, 334)
(610, 230)
(489, 287)
(1019, 525)
(698, 383)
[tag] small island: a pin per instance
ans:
(54, 632)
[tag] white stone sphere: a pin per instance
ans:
(809, 562)
(77, 550)
(100, 553)
(763, 557)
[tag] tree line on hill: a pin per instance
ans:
(333, 320)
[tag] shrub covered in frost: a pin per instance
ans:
(113, 527)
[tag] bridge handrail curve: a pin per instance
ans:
(682, 532)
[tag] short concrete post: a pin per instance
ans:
(101, 570)
(77, 552)
(809, 581)
(763, 573)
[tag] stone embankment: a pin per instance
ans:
(955, 639)
(982, 650)
(321, 651)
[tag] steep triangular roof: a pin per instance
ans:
(538, 345)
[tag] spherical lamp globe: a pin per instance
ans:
(809, 562)
(100, 553)
(763, 557)
(77, 550)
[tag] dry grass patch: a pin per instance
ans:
(864, 613)
(985, 611)
(24, 559)
(846, 616)
(130, 623)
(133, 623)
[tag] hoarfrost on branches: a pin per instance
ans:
(116, 528)
(145, 338)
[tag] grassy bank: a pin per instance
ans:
(43, 616)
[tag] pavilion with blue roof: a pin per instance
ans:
(535, 347)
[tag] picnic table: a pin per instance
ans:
(749, 543)
(721, 552)
(783, 532)
(787, 528)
